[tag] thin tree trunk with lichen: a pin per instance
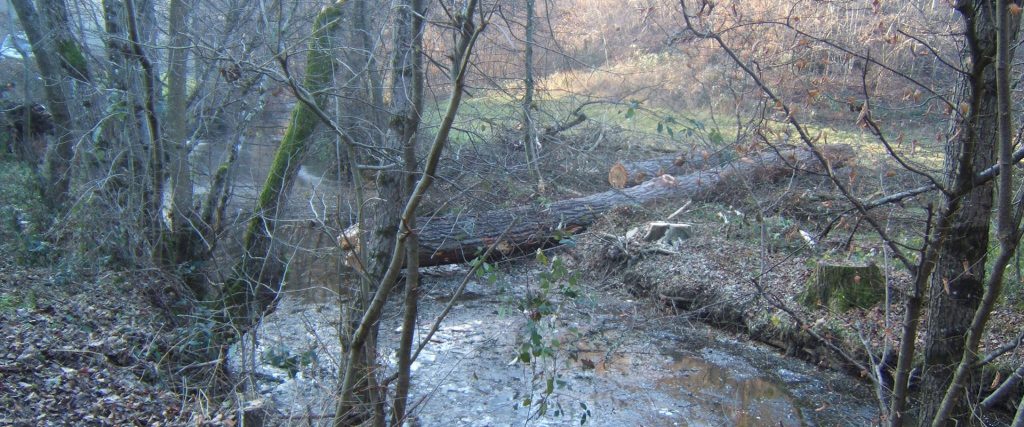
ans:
(257, 277)
(468, 33)
(410, 62)
(530, 138)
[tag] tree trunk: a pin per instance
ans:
(411, 16)
(461, 238)
(531, 141)
(958, 281)
(70, 52)
(179, 243)
(138, 38)
(258, 275)
(468, 33)
(960, 390)
(45, 49)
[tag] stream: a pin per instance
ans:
(616, 362)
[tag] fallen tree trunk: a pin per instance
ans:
(460, 238)
(632, 173)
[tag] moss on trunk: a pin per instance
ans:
(258, 275)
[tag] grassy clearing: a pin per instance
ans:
(497, 115)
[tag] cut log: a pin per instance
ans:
(842, 287)
(460, 238)
(633, 173)
(618, 177)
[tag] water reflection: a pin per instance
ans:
(747, 401)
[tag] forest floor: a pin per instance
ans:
(84, 349)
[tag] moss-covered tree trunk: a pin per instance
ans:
(47, 52)
(257, 276)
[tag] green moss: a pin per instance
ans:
(287, 159)
(842, 287)
(73, 58)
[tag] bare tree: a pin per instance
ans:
(468, 29)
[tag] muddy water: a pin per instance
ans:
(617, 362)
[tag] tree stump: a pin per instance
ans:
(842, 287)
(666, 233)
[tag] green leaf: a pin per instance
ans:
(715, 137)
(660, 127)
(550, 388)
(541, 258)
(630, 112)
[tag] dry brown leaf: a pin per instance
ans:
(996, 381)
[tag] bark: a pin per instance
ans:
(258, 275)
(45, 50)
(70, 52)
(384, 212)
(179, 243)
(413, 14)
(636, 172)
(154, 194)
(530, 140)
(1018, 419)
(358, 82)
(957, 284)
(1007, 220)
(461, 238)
(469, 32)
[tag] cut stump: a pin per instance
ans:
(842, 287)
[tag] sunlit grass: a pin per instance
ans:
(487, 114)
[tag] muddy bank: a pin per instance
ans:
(730, 274)
(746, 277)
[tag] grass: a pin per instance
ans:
(487, 115)
(483, 116)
